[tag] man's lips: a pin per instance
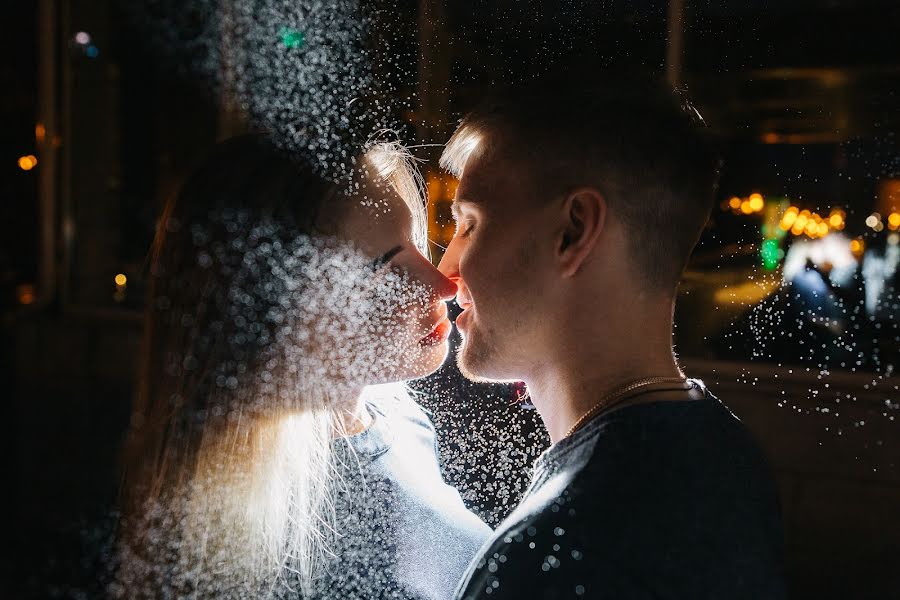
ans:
(463, 300)
(463, 317)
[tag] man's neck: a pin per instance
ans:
(565, 392)
(603, 339)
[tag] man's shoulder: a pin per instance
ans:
(588, 544)
(678, 462)
(539, 557)
(691, 434)
(657, 511)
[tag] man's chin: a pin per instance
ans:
(475, 364)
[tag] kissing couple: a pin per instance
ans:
(275, 452)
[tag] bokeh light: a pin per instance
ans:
(27, 163)
(25, 294)
(756, 202)
(873, 220)
(292, 38)
(894, 221)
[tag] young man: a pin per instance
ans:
(578, 207)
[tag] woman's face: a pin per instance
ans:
(407, 329)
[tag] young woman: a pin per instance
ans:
(269, 454)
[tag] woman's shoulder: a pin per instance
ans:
(395, 403)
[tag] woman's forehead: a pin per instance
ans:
(376, 214)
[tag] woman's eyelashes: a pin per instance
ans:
(385, 258)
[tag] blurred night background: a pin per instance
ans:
(789, 310)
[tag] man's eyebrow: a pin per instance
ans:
(454, 206)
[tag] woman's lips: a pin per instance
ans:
(439, 334)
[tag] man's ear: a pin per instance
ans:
(584, 218)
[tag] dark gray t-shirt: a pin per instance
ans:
(662, 500)
(403, 532)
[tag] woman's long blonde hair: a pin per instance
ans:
(228, 468)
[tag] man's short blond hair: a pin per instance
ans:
(636, 140)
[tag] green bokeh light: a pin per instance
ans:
(770, 254)
(292, 38)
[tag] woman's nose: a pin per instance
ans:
(444, 287)
(449, 264)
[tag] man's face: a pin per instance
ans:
(499, 258)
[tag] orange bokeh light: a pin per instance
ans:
(27, 163)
